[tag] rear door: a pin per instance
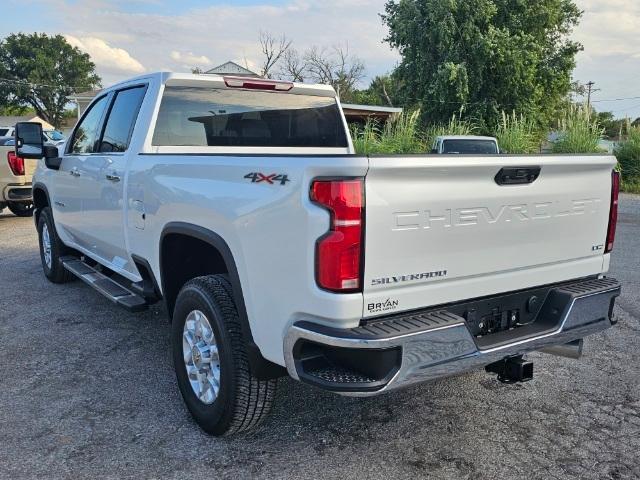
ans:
(104, 177)
(442, 229)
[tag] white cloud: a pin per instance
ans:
(215, 34)
(189, 59)
(106, 57)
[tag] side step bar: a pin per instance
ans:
(105, 285)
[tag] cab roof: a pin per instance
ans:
(229, 81)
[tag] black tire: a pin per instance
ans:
(55, 272)
(243, 401)
(21, 209)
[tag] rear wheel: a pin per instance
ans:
(209, 355)
(51, 249)
(21, 209)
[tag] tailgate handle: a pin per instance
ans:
(517, 175)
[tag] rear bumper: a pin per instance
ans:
(17, 193)
(415, 347)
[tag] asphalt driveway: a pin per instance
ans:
(88, 390)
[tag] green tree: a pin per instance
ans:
(486, 55)
(612, 127)
(383, 90)
(40, 71)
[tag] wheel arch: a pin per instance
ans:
(41, 199)
(261, 367)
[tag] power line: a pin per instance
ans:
(35, 85)
(615, 99)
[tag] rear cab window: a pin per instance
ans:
(462, 146)
(202, 116)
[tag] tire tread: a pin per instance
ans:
(253, 397)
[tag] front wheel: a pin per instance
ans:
(21, 209)
(51, 249)
(210, 359)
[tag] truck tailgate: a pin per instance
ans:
(441, 229)
(30, 166)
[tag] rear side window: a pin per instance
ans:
(122, 119)
(199, 116)
(3, 132)
(87, 132)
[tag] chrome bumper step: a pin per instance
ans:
(437, 343)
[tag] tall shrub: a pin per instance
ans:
(399, 135)
(579, 131)
(518, 134)
(628, 155)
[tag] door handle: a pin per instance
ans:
(74, 172)
(112, 177)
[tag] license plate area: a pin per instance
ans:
(485, 317)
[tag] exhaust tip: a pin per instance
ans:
(567, 350)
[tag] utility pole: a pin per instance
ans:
(590, 90)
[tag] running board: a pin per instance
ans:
(105, 285)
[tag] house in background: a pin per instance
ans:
(360, 114)
(231, 68)
(12, 120)
(82, 100)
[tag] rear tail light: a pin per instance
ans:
(339, 252)
(16, 163)
(613, 211)
(257, 84)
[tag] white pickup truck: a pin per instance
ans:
(15, 182)
(241, 204)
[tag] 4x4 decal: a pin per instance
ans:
(257, 177)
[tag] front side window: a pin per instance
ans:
(87, 132)
(122, 118)
(200, 116)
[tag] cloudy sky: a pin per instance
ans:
(129, 37)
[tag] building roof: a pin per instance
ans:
(362, 113)
(12, 120)
(88, 95)
(231, 68)
(370, 108)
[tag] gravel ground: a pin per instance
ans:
(88, 390)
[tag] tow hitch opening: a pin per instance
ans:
(512, 370)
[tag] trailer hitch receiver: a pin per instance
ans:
(512, 370)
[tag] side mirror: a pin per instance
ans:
(28, 140)
(52, 159)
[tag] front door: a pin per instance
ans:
(69, 187)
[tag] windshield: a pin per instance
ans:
(201, 116)
(471, 146)
(54, 135)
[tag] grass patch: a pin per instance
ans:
(630, 184)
